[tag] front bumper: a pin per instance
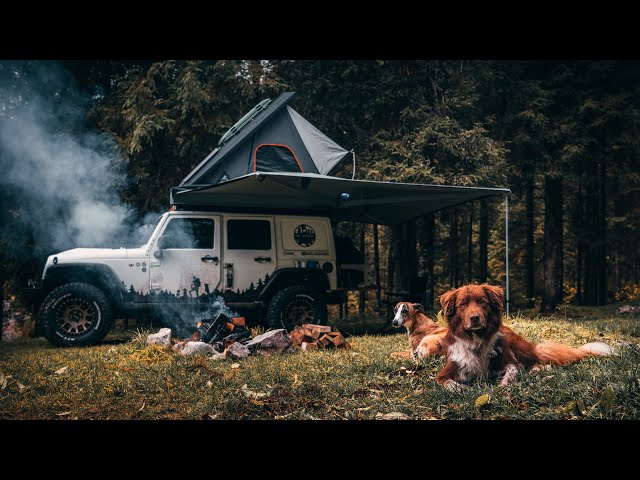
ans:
(32, 297)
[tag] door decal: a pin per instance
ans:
(199, 294)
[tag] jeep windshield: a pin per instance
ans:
(147, 230)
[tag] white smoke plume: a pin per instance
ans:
(64, 179)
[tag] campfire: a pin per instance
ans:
(225, 336)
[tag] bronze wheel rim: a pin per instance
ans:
(299, 311)
(75, 316)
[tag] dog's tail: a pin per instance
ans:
(559, 354)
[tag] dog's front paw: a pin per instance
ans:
(510, 374)
(453, 386)
(421, 352)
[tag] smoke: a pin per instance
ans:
(62, 178)
(183, 321)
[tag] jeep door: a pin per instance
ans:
(188, 269)
(249, 255)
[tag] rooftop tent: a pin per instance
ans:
(272, 137)
(387, 203)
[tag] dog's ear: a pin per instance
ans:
(418, 308)
(495, 296)
(448, 302)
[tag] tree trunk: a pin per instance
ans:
(427, 247)
(603, 284)
(595, 274)
(405, 258)
(553, 240)
(579, 273)
(529, 244)
(470, 246)
(376, 265)
(579, 232)
(391, 235)
(453, 250)
(483, 241)
(361, 303)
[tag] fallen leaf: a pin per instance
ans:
(235, 365)
(391, 416)
(252, 393)
(482, 400)
(364, 409)
(61, 370)
(142, 407)
(582, 409)
(63, 414)
(3, 381)
(20, 385)
(209, 383)
(295, 380)
(607, 399)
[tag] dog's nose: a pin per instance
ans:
(475, 319)
(395, 323)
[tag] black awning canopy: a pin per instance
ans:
(366, 201)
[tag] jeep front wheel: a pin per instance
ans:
(75, 314)
(296, 305)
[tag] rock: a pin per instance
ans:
(391, 416)
(178, 346)
(162, 337)
(274, 341)
(201, 348)
(238, 350)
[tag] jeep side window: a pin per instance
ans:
(249, 235)
(189, 233)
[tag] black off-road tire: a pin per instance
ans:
(75, 314)
(296, 305)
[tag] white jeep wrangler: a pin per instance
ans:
(279, 269)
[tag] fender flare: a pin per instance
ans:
(99, 275)
(286, 277)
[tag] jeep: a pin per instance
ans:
(279, 269)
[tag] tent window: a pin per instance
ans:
(275, 158)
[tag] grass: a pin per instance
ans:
(123, 379)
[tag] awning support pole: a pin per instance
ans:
(506, 250)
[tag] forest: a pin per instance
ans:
(563, 136)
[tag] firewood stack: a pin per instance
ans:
(312, 337)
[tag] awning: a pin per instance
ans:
(366, 201)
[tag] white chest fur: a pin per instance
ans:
(472, 357)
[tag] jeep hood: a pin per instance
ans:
(84, 254)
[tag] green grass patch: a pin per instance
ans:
(123, 379)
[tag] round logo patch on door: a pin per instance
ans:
(304, 235)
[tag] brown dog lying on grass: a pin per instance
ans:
(425, 335)
(478, 346)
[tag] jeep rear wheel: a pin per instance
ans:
(75, 314)
(296, 305)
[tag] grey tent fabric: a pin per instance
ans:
(386, 203)
(325, 153)
(269, 123)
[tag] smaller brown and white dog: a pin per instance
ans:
(478, 346)
(425, 335)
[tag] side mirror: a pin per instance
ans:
(162, 244)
